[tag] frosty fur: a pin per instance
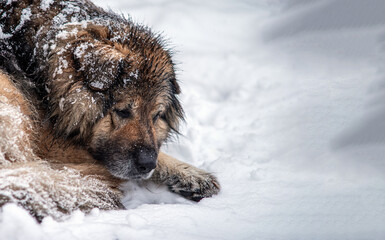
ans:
(72, 69)
(33, 183)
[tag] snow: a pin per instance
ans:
(4, 35)
(44, 5)
(10, 1)
(25, 16)
(284, 103)
(12, 214)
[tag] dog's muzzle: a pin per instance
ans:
(145, 160)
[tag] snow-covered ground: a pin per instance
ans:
(285, 103)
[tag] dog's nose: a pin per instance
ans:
(146, 160)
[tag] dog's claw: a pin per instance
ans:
(194, 184)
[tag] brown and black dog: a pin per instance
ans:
(96, 97)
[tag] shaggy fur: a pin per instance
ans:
(87, 98)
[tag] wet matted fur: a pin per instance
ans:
(87, 100)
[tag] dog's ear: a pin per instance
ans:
(175, 86)
(100, 65)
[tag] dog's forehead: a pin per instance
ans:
(145, 59)
(144, 95)
(146, 75)
(152, 68)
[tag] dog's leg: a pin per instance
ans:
(55, 191)
(184, 179)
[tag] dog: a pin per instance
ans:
(87, 99)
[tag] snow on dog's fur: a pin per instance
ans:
(32, 182)
(96, 98)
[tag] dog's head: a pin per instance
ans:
(114, 91)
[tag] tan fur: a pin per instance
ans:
(16, 144)
(11, 95)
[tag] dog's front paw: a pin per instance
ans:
(194, 184)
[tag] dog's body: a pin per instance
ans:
(93, 97)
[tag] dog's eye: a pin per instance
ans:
(125, 113)
(156, 117)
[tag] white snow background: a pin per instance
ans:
(285, 103)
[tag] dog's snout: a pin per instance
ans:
(146, 160)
